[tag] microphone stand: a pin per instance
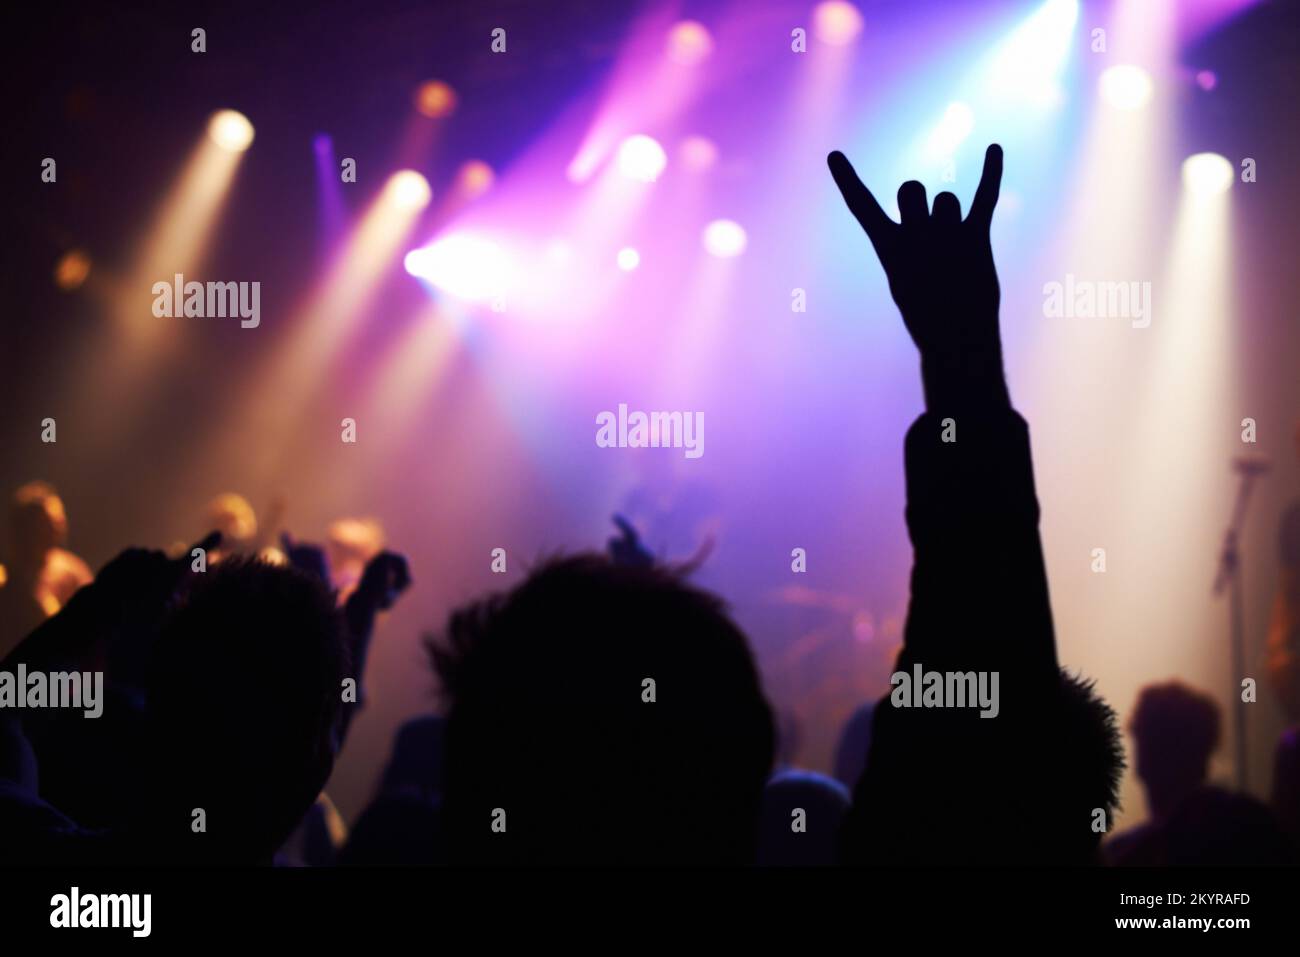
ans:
(1229, 577)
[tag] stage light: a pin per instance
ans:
(409, 190)
(1207, 80)
(465, 266)
(698, 153)
(628, 259)
(72, 270)
(1126, 87)
(476, 177)
(1207, 174)
(689, 42)
(435, 99)
(956, 124)
(836, 22)
(724, 238)
(1028, 64)
(641, 158)
(231, 130)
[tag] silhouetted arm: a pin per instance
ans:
(933, 788)
(979, 590)
(384, 579)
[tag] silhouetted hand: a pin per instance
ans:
(626, 549)
(382, 582)
(121, 608)
(306, 557)
(941, 275)
(139, 584)
(385, 577)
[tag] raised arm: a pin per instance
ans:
(979, 589)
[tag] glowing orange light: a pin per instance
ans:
(72, 270)
(476, 177)
(435, 99)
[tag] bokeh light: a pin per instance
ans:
(628, 259)
(72, 270)
(725, 238)
(689, 42)
(1126, 87)
(231, 130)
(641, 158)
(698, 153)
(1207, 174)
(435, 99)
(836, 22)
(409, 189)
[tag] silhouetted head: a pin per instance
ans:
(1082, 764)
(601, 714)
(37, 523)
(1286, 782)
(945, 787)
(244, 702)
(1212, 827)
(802, 814)
(1176, 729)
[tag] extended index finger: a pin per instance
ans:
(858, 198)
(986, 194)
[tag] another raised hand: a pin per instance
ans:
(306, 556)
(627, 548)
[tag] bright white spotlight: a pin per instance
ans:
(836, 22)
(641, 158)
(465, 266)
(409, 189)
(628, 259)
(231, 130)
(1126, 87)
(1207, 174)
(1028, 64)
(955, 125)
(725, 238)
(689, 42)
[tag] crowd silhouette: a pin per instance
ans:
(605, 711)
